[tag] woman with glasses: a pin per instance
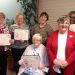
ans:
(61, 48)
(18, 45)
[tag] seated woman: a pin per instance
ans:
(37, 49)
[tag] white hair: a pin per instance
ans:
(37, 36)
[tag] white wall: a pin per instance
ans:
(10, 7)
(55, 8)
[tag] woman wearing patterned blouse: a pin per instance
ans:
(42, 27)
(3, 49)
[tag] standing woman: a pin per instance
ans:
(42, 27)
(18, 46)
(3, 49)
(61, 48)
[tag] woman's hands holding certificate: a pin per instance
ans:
(41, 66)
(22, 41)
(23, 63)
(12, 41)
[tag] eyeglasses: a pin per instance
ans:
(73, 17)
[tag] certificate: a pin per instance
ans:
(20, 34)
(4, 39)
(56, 69)
(33, 61)
(72, 27)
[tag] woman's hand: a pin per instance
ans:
(57, 62)
(60, 63)
(41, 66)
(22, 41)
(12, 41)
(23, 63)
(64, 64)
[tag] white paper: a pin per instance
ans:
(46, 69)
(4, 39)
(33, 61)
(72, 27)
(56, 69)
(20, 34)
(21, 70)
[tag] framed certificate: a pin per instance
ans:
(4, 39)
(32, 60)
(20, 34)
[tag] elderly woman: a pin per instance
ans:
(61, 49)
(3, 48)
(42, 27)
(37, 48)
(18, 45)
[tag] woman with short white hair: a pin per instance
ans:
(37, 48)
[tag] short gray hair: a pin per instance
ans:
(63, 18)
(37, 36)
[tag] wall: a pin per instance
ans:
(10, 7)
(55, 8)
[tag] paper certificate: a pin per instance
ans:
(20, 34)
(4, 39)
(72, 27)
(33, 61)
(56, 69)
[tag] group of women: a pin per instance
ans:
(55, 48)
